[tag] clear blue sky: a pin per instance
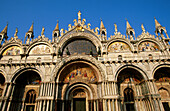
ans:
(21, 13)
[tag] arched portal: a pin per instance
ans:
(162, 79)
(130, 85)
(77, 86)
(26, 87)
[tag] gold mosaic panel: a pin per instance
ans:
(14, 50)
(80, 72)
(148, 46)
(118, 46)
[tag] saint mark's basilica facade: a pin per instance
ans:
(81, 69)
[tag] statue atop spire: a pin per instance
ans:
(79, 15)
(42, 32)
(115, 28)
(143, 29)
(16, 32)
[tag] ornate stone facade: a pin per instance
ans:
(81, 68)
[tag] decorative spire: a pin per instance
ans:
(57, 27)
(130, 31)
(128, 25)
(56, 33)
(157, 24)
(4, 31)
(102, 25)
(31, 28)
(160, 29)
(29, 35)
(3, 34)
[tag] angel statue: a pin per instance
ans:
(143, 29)
(115, 28)
(16, 32)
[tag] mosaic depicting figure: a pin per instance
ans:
(79, 72)
(163, 77)
(148, 46)
(118, 46)
(14, 50)
(40, 49)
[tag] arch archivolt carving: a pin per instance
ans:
(84, 59)
(22, 70)
(122, 67)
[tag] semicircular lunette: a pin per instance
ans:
(79, 72)
(118, 46)
(148, 46)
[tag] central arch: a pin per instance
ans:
(77, 84)
(84, 59)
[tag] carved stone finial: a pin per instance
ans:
(88, 25)
(69, 27)
(96, 30)
(83, 21)
(62, 31)
(75, 22)
(143, 29)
